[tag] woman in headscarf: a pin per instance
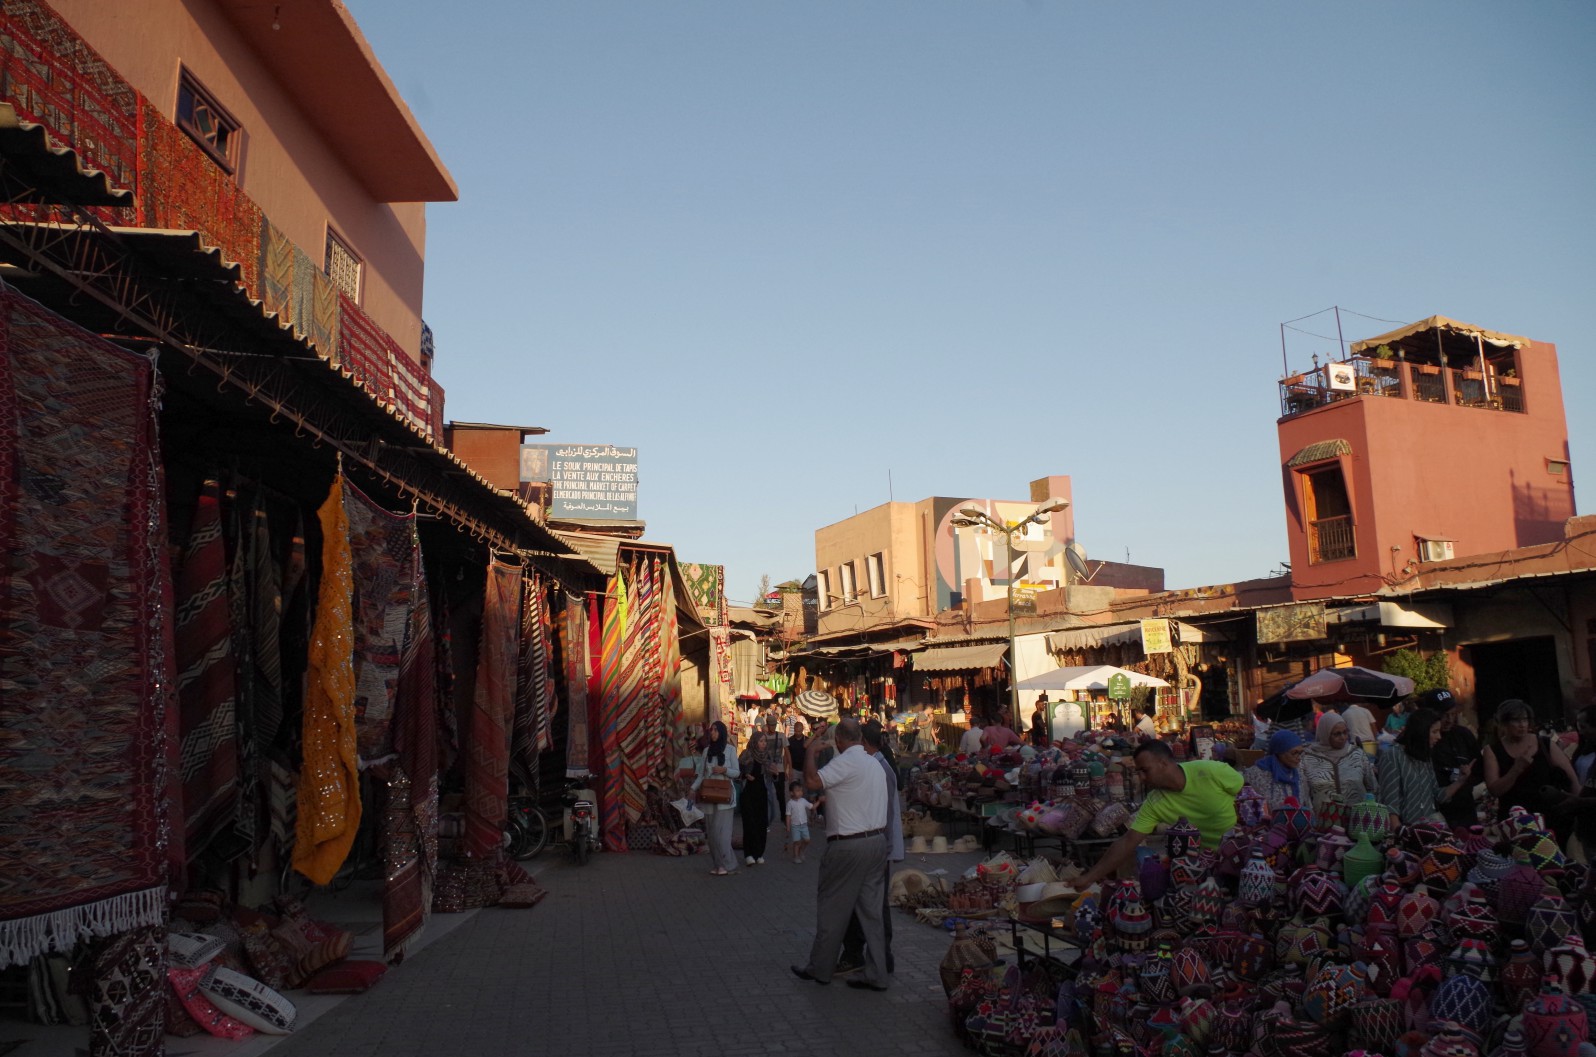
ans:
(718, 761)
(1276, 776)
(1407, 772)
(754, 797)
(1336, 771)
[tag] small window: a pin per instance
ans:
(1557, 467)
(875, 572)
(343, 267)
(849, 582)
(823, 588)
(212, 127)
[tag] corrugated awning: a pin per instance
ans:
(1490, 337)
(599, 550)
(56, 174)
(1319, 451)
(958, 658)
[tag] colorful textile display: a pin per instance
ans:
(207, 683)
(382, 365)
(670, 663)
(248, 798)
(574, 656)
(83, 673)
(719, 703)
(530, 727)
(487, 747)
(329, 781)
(615, 682)
(386, 558)
(706, 586)
(182, 188)
(410, 826)
(51, 77)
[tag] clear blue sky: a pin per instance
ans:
(784, 248)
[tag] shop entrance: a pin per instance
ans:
(1523, 668)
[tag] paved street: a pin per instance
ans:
(645, 954)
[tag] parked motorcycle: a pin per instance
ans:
(581, 820)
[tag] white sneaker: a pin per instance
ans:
(760, 860)
(748, 860)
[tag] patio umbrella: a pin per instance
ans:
(817, 704)
(758, 693)
(1351, 684)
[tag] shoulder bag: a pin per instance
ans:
(714, 789)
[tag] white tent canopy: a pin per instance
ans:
(1085, 677)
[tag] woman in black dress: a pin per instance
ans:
(755, 801)
(1525, 770)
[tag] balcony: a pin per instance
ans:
(1428, 383)
(1331, 539)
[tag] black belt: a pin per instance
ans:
(855, 836)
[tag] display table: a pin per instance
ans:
(1083, 850)
(1068, 950)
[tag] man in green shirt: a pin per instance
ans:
(1201, 791)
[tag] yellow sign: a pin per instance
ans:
(1155, 636)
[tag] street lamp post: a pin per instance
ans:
(975, 517)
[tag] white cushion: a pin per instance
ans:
(193, 949)
(250, 1001)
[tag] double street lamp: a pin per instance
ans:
(975, 517)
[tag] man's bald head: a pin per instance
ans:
(848, 732)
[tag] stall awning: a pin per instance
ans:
(1122, 635)
(1490, 337)
(54, 173)
(597, 549)
(958, 658)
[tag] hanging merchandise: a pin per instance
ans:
(410, 825)
(574, 654)
(487, 747)
(329, 781)
(384, 557)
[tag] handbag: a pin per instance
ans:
(715, 789)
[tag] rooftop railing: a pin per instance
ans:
(1462, 386)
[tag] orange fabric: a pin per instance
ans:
(329, 781)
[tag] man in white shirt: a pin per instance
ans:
(853, 943)
(852, 880)
(971, 741)
(1360, 726)
(1145, 726)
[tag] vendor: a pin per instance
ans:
(1203, 792)
(1042, 722)
(1276, 776)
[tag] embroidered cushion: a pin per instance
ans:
(347, 978)
(191, 950)
(201, 1010)
(268, 961)
(249, 1001)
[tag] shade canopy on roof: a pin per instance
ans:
(958, 658)
(1490, 337)
(1086, 677)
(1121, 635)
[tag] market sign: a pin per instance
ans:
(1119, 687)
(584, 481)
(1304, 622)
(1155, 636)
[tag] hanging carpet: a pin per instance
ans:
(487, 745)
(616, 678)
(83, 672)
(410, 826)
(384, 553)
(574, 655)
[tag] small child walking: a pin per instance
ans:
(798, 809)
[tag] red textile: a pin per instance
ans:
(410, 837)
(487, 747)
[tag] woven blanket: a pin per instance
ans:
(182, 188)
(329, 780)
(386, 557)
(410, 832)
(574, 661)
(487, 748)
(670, 666)
(53, 78)
(276, 272)
(706, 585)
(530, 731)
(207, 683)
(82, 667)
(616, 679)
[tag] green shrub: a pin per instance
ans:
(1427, 673)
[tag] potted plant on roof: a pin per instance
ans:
(1383, 357)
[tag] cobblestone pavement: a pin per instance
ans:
(646, 954)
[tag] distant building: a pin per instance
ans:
(1435, 441)
(895, 566)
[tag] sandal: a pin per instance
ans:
(719, 873)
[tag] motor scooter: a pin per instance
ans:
(580, 819)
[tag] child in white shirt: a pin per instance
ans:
(798, 809)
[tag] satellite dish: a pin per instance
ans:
(1075, 557)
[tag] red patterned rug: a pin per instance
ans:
(82, 665)
(487, 747)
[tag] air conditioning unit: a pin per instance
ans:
(1435, 550)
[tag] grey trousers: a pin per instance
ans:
(718, 835)
(851, 882)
